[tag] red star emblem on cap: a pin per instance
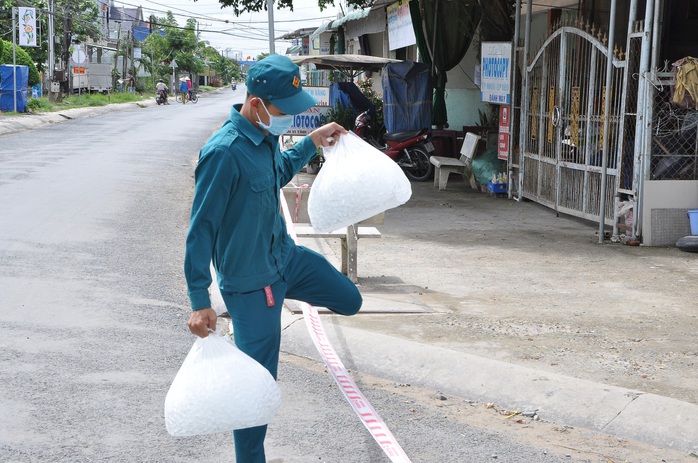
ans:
(296, 81)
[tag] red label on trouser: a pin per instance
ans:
(269, 295)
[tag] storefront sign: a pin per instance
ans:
(322, 94)
(495, 73)
(307, 121)
(400, 30)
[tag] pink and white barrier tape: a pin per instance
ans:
(363, 408)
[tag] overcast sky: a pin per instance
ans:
(246, 35)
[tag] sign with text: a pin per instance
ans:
(307, 121)
(322, 94)
(503, 139)
(400, 30)
(495, 73)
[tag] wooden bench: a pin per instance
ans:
(349, 237)
(445, 166)
(294, 204)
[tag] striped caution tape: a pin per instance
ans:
(363, 408)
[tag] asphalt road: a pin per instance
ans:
(93, 308)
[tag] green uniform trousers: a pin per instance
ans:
(308, 277)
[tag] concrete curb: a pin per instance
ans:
(657, 420)
(15, 124)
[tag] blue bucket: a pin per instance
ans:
(693, 217)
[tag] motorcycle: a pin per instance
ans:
(234, 85)
(411, 150)
(161, 97)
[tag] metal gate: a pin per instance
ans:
(563, 125)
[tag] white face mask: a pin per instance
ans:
(278, 125)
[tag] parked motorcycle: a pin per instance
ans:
(411, 150)
(161, 97)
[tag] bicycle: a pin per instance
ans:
(191, 96)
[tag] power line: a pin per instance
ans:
(190, 14)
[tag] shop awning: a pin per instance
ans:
(351, 65)
(332, 25)
(324, 28)
(353, 16)
(297, 34)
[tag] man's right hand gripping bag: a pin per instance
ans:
(356, 182)
(219, 388)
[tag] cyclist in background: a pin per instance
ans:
(184, 90)
(189, 85)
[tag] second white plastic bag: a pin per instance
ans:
(219, 388)
(356, 182)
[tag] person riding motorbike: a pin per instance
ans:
(163, 90)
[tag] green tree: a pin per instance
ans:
(23, 59)
(178, 43)
(226, 67)
(242, 6)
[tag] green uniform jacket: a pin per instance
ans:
(236, 220)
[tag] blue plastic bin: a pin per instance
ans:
(7, 101)
(693, 217)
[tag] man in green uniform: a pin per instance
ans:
(236, 224)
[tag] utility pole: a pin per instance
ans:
(125, 62)
(133, 60)
(270, 8)
(65, 57)
(116, 55)
(51, 53)
(15, 13)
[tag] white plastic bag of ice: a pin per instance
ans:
(356, 182)
(219, 388)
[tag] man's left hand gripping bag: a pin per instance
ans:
(219, 389)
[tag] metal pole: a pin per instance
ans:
(524, 102)
(655, 34)
(644, 152)
(607, 120)
(116, 55)
(51, 52)
(14, 56)
(433, 40)
(514, 93)
(270, 8)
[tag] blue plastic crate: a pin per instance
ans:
(496, 187)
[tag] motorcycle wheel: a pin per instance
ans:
(421, 168)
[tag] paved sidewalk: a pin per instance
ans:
(501, 301)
